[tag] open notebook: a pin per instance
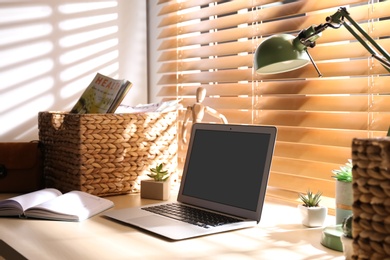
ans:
(226, 172)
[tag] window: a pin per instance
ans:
(211, 44)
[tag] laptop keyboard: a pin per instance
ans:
(191, 215)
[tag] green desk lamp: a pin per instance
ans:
(284, 52)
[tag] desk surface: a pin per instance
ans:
(279, 235)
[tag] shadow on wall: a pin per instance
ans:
(49, 53)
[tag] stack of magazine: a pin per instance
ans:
(161, 107)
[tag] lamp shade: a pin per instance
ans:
(278, 54)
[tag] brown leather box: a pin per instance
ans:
(21, 167)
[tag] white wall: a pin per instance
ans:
(50, 51)
(153, 52)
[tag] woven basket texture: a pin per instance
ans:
(105, 154)
(371, 193)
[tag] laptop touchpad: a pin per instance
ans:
(154, 221)
(167, 227)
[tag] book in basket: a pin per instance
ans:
(103, 95)
(51, 204)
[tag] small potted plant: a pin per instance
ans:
(312, 213)
(344, 192)
(158, 187)
(346, 238)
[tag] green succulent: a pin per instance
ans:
(311, 199)
(344, 173)
(158, 174)
(347, 226)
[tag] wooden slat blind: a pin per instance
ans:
(211, 44)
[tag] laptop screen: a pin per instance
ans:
(229, 166)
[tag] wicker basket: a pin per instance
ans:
(371, 206)
(105, 154)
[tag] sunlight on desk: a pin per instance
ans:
(278, 236)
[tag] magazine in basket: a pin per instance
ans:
(103, 95)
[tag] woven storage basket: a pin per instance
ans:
(371, 192)
(105, 154)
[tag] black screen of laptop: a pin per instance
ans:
(227, 167)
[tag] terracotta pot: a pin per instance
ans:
(313, 216)
(157, 190)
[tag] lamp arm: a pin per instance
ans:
(306, 38)
(383, 60)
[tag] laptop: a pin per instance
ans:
(225, 175)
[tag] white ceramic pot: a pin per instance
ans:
(313, 216)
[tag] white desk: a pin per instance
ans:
(278, 236)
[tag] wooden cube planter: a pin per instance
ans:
(157, 190)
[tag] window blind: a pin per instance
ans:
(211, 44)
